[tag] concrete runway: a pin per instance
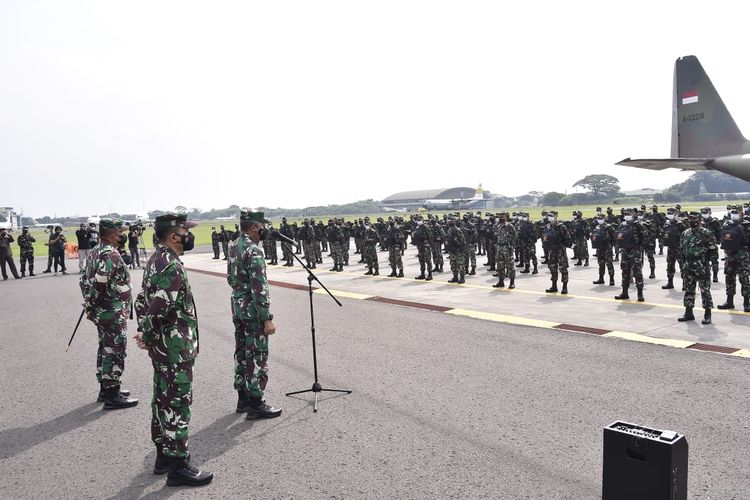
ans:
(443, 406)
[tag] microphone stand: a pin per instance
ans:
(316, 387)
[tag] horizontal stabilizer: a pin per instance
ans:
(661, 164)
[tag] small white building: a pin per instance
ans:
(9, 219)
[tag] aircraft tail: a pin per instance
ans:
(479, 193)
(701, 124)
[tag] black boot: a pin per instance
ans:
(669, 285)
(103, 393)
(393, 273)
(376, 272)
(500, 284)
(181, 473)
(114, 400)
(586, 264)
(429, 276)
(259, 409)
(461, 279)
(31, 271)
(729, 304)
(688, 316)
(473, 271)
(242, 402)
(611, 280)
(369, 271)
(746, 304)
(400, 273)
(564, 290)
(334, 268)
(652, 275)
(553, 288)
(706, 317)
(600, 281)
(715, 280)
(161, 464)
(492, 268)
(624, 295)
(525, 270)
(340, 268)
(535, 271)
(454, 279)
(640, 294)
(512, 284)
(420, 277)
(578, 263)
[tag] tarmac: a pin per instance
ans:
(458, 391)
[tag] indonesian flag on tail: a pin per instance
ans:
(690, 97)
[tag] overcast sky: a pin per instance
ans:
(132, 106)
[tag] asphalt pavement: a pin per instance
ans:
(442, 406)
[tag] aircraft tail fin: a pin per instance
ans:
(701, 124)
(479, 193)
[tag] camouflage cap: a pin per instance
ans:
(552, 212)
(164, 222)
(112, 224)
(250, 216)
(694, 214)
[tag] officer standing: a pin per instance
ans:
(734, 241)
(335, 236)
(506, 241)
(169, 331)
(286, 251)
(581, 232)
(697, 244)
(673, 229)
(251, 315)
(370, 240)
(420, 238)
(307, 236)
(105, 286)
(57, 243)
(84, 246)
(556, 240)
(225, 238)
(631, 235)
(438, 238)
(273, 255)
(6, 254)
(713, 225)
(26, 242)
(527, 236)
(603, 238)
(215, 240)
(455, 244)
(394, 241)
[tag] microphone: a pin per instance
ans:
(283, 238)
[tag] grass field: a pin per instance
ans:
(203, 231)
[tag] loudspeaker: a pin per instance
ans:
(644, 464)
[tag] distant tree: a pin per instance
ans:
(552, 198)
(599, 184)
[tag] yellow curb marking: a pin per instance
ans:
(347, 295)
(502, 318)
(743, 353)
(681, 344)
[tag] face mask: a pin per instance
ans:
(123, 240)
(551, 219)
(367, 226)
(600, 221)
(187, 241)
(670, 216)
(640, 217)
(705, 216)
(628, 218)
(262, 233)
(735, 217)
(419, 223)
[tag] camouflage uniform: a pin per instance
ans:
(581, 233)
(169, 326)
(286, 250)
(527, 236)
(335, 236)
(272, 253)
(438, 237)
(394, 241)
(672, 231)
(26, 244)
(307, 236)
(697, 244)
(455, 244)
(420, 238)
(225, 238)
(556, 239)
(603, 239)
(346, 230)
(250, 302)
(651, 234)
(6, 255)
(370, 240)
(734, 240)
(630, 240)
(215, 240)
(713, 225)
(470, 235)
(506, 237)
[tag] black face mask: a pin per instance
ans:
(123, 240)
(262, 233)
(187, 241)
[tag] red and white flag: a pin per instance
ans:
(690, 97)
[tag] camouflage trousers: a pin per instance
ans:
(250, 357)
(170, 407)
(528, 253)
(424, 255)
(737, 263)
(110, 357)
(286, 250)
(225, 248)
(309, 248)
(457, 262)
(581, 249)
(336, 253)
(506, 265)
(674, 256)
(557, 262)
(215, 248)
(437, 255)
(394, 258)
(273, 251)
(470, 258)
(697, 272)
(650, 251)
(324, 245)
(604, 257)
(27, 256)
(370, 255)
(318, 253)
(715, 260)
(631, 265)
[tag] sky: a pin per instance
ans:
(134, 106)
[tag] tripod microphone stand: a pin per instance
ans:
(316, 387)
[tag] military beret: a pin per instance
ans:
(111, 224)
(250, 216)
(694, 213)
(164, 222)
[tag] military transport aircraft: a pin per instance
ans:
(704, 135)
(455, 204)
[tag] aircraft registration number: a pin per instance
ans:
(693, 117)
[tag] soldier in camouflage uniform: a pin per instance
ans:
(225, 239)
(215, 241)
(26, 243)
(734, 241)
(650, 235)
(420, 238)
(105, 285)
(713, 225)
(307, 236)
(672, 232)
(470, 235)
(335, 236)
(455, 244)
(346, 230)
(631, 237)
(286, 250)
(394, 242)
(438, 238)
(169, 331)
(273, 255)
(319, 233)
(697, 244)
(527, 236)
(370, 240)
(603, 238)
(253, 321)
(615, 221)
(6, 254)
(556, 239)
(506, 241)
(581, 234)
